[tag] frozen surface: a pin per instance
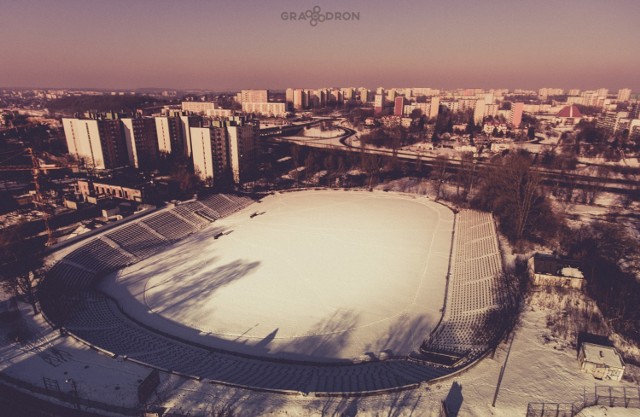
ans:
(318, 274)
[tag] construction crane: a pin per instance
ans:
(36, 169)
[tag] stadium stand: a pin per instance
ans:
(224, 204)
(70, 277)
(137, 240)
(196, 213)
(68, 298)
(99, 256)
(169, 225)
(472, 317)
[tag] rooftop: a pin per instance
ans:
(602, 355)
(554, 265)
(570, 111)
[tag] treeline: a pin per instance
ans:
(593, 140)
(604, 248)
(102, 103)
(347, 168)
(392, 138)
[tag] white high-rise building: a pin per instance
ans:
(364, 94)
(299, 98)
(219, 113)
(347, 93)
(83, 141)
(479, 111)
(435, 107)
(391, 94)
(186, 123)
(169, 135)
(164, 137)
(133, 128)
(200, 107)
(264, 108)
(289, 98)
(544, 93)
(378, 103)
(99, 141)
(254, 96)
(209, 152)
(225, 150)
(624, 94)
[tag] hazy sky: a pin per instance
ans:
(246, 44)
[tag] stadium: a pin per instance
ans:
(328, 292)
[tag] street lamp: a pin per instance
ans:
(75, 391)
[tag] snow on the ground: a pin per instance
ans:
(199, 399)
(578, 213)
(317, 274)
(602, 411)
(31, 350)
(631, 161)
(542, 364)
(540, 368)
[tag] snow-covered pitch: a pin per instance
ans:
(312, 275)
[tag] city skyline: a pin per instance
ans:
(206, 45)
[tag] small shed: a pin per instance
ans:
(603, 362)
(554, 271)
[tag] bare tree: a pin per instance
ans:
(440, 173)
(371, 163)
(296, 154)
(21, 263)
(466, 174)
(419, 163)
(512, 190)
(310, 162)
(523, 184)
(24, 286)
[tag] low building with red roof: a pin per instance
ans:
(569, 115)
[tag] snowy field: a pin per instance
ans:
(315, 275)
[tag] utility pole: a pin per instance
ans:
(502, 369)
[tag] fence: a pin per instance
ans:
(610, 396)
